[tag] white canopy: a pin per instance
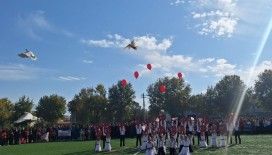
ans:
(26, 117)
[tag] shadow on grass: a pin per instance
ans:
(80, 153)
(212, 149)
(115, 152)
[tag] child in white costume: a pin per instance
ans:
(97, 146)
(222, 129)
(161, 145)
(144, 138)
(173, 145)
(186, 143)
(203, 143)
(214, 136)
(180, 141)
(149, 146)
(98, 134)
(108, 144)
(222, 141)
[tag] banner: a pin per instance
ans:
(64, 133)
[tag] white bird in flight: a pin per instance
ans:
(27, 54)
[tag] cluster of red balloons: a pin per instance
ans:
(162, 88)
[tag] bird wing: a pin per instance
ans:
(22, 55)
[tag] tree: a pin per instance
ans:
(90, 105)
(263, 89)
(51, 108)
(250, 102)
(197, 104)
(23, 105)
(174, 100)
(80, 106)
(137, 112)
(210, 103)
(121, 102)
(6, 111)
(227, 94)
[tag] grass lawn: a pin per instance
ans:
(254, 144)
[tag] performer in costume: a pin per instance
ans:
(198, 124)
(185, 149)
(237, 132)
(162, 119)
(214, 136)
(144, 138)
(191, 129)
(230, 127)
(173, 145)
(122, 130)
(103, 126)
(173, 131)
(148, 147)
(181, 141)
(202, 143)
(222, 132)
(206, 124)
(108, 139)
(139, 135)
(98, 134)
(161, 145)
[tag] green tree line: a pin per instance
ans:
(96, 104)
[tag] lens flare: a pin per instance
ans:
(250, 77)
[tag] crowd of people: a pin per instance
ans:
(23, 135)
(177, 135)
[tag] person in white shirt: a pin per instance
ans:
(122, 135)
(191, 130)
(139, 135)
(203, 143)
(237, 132)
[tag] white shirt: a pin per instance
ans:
(122, 131)
(236, 128)
(138, 130)
(191, 127)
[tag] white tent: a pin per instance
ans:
(26, 117)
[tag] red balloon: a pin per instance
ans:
(179, 75)
(136, 74)
(149, 66)
(123, 83)
(162, 89)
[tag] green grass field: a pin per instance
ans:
(251, 145)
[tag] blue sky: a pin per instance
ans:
(80, 43)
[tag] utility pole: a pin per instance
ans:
(143, 96)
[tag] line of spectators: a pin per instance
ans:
(12, 136)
